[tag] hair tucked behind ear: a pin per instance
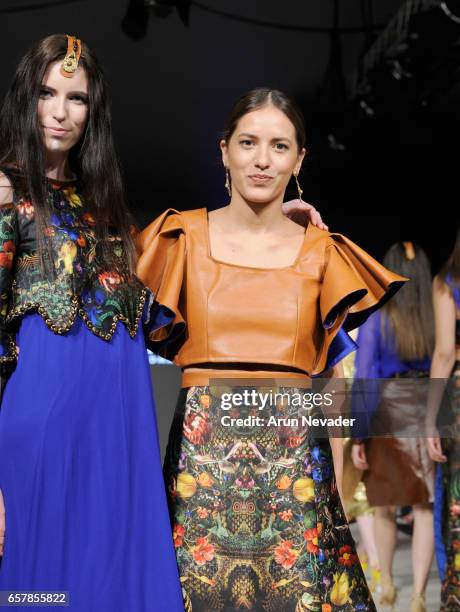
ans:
(94, 159)
(264, 96)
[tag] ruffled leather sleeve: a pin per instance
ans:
(354, 286)
(160, 266)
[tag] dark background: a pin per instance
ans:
(397, 177)
(398, 174)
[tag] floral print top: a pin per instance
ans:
(81, 284)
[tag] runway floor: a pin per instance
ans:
(403, 578)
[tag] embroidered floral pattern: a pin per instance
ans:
(450, 590)
(8, 238)
(258, 523)
(81, 286)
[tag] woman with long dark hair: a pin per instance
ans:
(80, 470)
(258, 522)
(445, 367)
(396, 344)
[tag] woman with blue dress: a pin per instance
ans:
(396, 344)
(80, 469)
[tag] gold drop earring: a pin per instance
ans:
(299, 189)
(228, 185)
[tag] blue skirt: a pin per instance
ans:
(80, 472)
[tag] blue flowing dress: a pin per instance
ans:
(80, 466)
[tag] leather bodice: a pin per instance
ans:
(294, 317)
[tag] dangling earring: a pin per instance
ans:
(228, 185)
(300, 191)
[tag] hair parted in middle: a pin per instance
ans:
(259, 98)
(94, 159)
(410, 311)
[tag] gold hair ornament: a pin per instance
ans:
(70, 62)
(409, 249)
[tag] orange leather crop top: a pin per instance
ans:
(226, 313)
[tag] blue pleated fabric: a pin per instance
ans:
(80, 472)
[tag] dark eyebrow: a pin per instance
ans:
(70, 93)
(278, 139)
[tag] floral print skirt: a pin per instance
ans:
(257, 518)
(450, 590)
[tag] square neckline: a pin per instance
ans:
(233, 265)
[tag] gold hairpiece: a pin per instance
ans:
(70, 62)
(409, 249)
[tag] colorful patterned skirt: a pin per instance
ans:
(450, 590)
(257, 519)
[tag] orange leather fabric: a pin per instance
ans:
(235, 314)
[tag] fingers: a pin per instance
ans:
(315, 216)
(359, 458)
(435, 450)
(300, 211)
(316, 220)
(362, 464)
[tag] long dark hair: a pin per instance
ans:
(93, 159)
(451, 268)
(264, 96)
(410, 312)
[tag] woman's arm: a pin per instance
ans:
(442, 362)
(365, 389)
(337, 442)
(444, 319)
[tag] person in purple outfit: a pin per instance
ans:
(396, 343)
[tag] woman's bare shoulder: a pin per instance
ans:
(439, 284)
(6, 190)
